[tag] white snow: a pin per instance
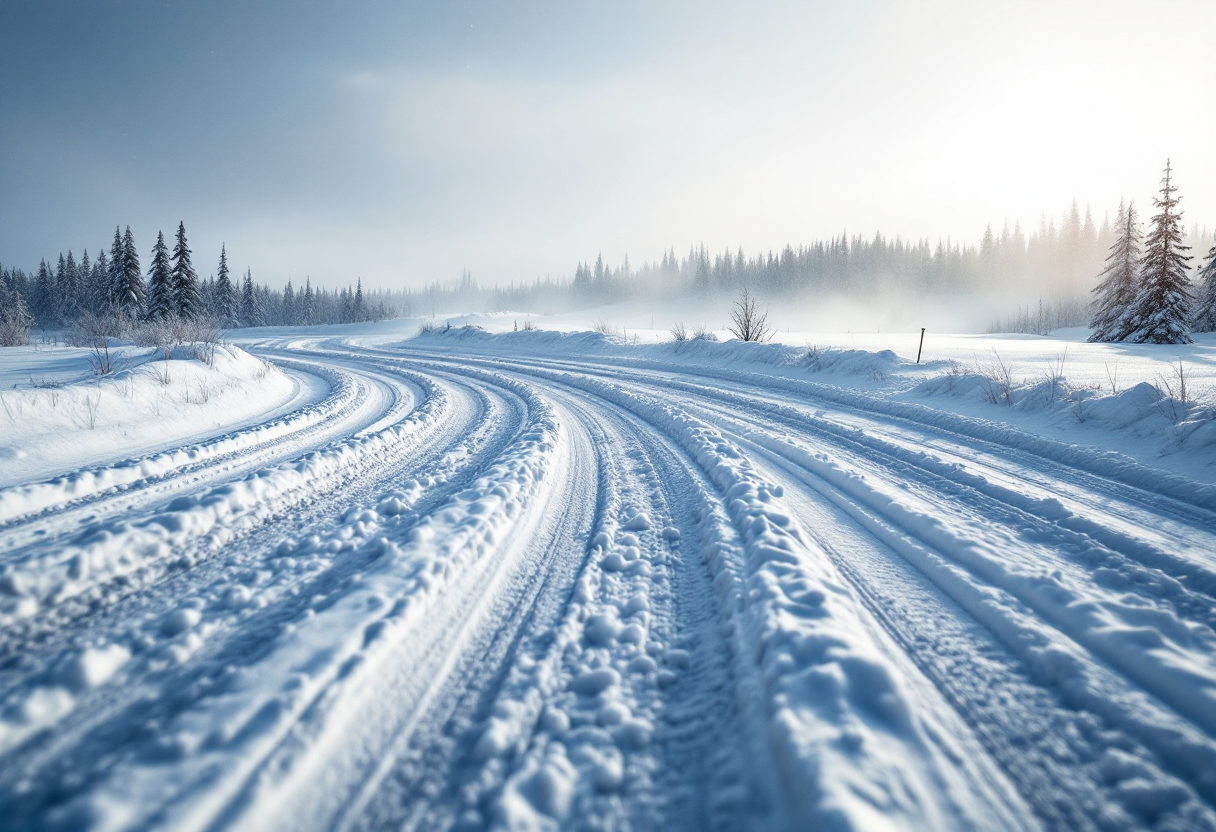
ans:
(548, 580)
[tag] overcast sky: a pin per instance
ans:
(404, 142)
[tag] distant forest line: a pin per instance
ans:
(1056, 266)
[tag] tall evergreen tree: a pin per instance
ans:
(160, 282)
(1205, 297)
(114, 291)
(186, 300)
(1160, 312)
(130, 295)
(44, 296)
(225, 294)
(289, 305)
(1117, 289)
(249, 302)
(360, 310)
(99, 283)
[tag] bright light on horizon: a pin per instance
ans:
(407, 145)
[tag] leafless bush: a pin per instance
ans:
(529, 327)
(703, 334)
(678, 332)
(160, 372)
(603, 327)
(1000, 381)
(1054, 376)
(15, 325)
(158, 333)
(748, 323)
(427, 327)
(1176, 386)
(1112, 376)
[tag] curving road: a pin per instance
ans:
(470, 589)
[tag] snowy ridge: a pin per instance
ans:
(852, 749)
(121, 547)
(539, 591)
(714, 360)
(267, 740)
(19, 501)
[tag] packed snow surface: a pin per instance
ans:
(363, 578)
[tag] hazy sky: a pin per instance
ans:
(403, 142)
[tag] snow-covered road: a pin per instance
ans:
(474, 588)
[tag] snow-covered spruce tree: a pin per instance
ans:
(44, 296)
(250, 315)
(187, 302)
(225, 294)
(114, 290)
(1161, 310)
(160, 282)
(130, 295)
(1205, 297)
(1117, 289)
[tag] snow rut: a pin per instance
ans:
(542, 594)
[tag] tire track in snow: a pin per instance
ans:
(298, 575)
(1127, 774)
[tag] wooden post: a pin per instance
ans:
(922, 344)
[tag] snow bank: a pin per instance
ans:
(60, 417)
(1046, 399)
(20, 500)
(120, 547)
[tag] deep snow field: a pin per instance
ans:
(361, 578)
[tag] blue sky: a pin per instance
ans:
(404, 142)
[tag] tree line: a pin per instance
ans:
(115, 290)
(1145, 294)
(1056, 264)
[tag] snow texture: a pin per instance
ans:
(540, 580)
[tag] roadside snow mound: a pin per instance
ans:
(55, 424)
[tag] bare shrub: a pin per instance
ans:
(1112, 376)
(603, 327)
(15, 324)
(529, 327)
(703, 334)
(1054, 376)
(1176, 386)
(1000, 381)
(427, 327)
(678, 332)
(160, 372)
(748, 323)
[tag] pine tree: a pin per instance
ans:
(225, 294)
(99, 283)
(70, 290)
(1115, 293)
(114, 290)
(249, 306)
(360, 311)
(1160, 312)
(1205, 300)
(129, 295)
(289, 304)
(160, 282)
(44, 295)
(186, 299)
